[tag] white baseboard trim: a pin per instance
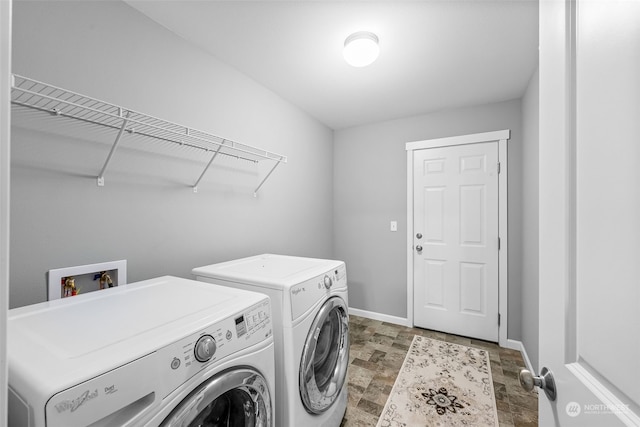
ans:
(512, 344)
(517, 345)
(380, 316)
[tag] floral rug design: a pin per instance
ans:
(441, 384)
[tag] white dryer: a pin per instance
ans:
(161, 352)
(311, 331)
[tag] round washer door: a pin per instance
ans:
(325, 357)
(234, 398)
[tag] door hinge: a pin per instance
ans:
(499, 243)
(499, 168)
(499, 319)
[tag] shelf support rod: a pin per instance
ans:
(255, 193)
(195, 186)
(113, 150)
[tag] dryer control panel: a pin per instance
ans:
(304, 295)
(213, 343)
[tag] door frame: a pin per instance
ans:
(5, 177)
(501, 137)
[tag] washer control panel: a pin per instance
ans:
(184, 358)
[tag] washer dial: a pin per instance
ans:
(327, 281)
(205, 348)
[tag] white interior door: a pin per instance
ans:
(590, 211)
(456, 239)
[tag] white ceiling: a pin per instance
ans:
(434, 54)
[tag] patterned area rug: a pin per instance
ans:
(441, 384)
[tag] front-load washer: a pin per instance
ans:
(162, 352)
(311, 330)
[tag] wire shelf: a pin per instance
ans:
(27, 92)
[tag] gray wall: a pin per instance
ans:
(530, 196)
(147, 213)
(370, 181)
(353, 182)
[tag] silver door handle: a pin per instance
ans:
(419, 248)
(545, 381)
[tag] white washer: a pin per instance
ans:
(161, 352)
(311, 331)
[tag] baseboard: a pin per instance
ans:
(512, 344)
(380, 316)
(518, 345)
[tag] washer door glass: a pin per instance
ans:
(325, 357)
(236, 398)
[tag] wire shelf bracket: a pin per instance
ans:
(112, 151)
(195, 186)
(255, 192)
(30, 93)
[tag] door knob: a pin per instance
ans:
(419, 248)
(419, 236)
(545, 381)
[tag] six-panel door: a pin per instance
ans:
(456, 258)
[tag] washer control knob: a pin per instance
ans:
(175, 363)
(205, 348)
(327, 282)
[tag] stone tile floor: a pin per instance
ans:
(378, 350)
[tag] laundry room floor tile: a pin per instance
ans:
(378, 350)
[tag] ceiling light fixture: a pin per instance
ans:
(361, 49)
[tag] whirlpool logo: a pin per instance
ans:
(72, 405)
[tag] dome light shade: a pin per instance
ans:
(361, 49)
